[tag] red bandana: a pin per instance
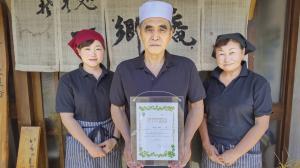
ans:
(85, 35)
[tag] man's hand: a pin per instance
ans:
(128, 157)
(184, 157)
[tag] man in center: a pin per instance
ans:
(157, 71)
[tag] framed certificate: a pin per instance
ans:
(156, 125)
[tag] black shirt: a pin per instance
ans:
(82, 94)
(231, 110)
(178, 76)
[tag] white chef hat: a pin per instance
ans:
(154, 8)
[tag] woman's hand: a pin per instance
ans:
(95, 151)
(212, 153)
(229, 157)
(108, 145)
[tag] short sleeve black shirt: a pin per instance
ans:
(82, 94)
(178, 76)
(231, 110)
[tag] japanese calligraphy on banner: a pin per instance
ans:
(122, 38)
(122, 20)
(34, 36)
(41, 29)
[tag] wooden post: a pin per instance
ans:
(28, 153)
(4, 145)
(251, 33)
(22, 99)
(54, 129)
(252, 9)
(38, 116)
(59, 127)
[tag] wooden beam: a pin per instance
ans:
(53, 121)
(22, 98)
(38, 116)
(251, 35)
(252, 9)
(28, 153)
(59, 127)
(4, 150)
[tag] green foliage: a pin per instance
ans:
(157, 108)
(168, 153)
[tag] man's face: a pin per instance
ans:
(155, 34)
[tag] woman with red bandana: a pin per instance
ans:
(82, 101)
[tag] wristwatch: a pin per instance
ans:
(116, 138)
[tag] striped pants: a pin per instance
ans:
(78, 157)
(252, 159)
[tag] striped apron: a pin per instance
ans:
(252, 159)
(78, 157)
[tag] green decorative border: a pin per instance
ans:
(157, 108)
(168, 153)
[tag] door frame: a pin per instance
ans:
(283, 109)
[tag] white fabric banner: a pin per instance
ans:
(42, 28)
(219, 17)
(122, 38)
(121, 21)
(34, 36)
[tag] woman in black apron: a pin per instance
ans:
(237, 108)
(83, 103)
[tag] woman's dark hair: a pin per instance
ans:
(223, 42)
(85, 44)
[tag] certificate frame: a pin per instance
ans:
(158, 120)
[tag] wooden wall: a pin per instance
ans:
(32, 95)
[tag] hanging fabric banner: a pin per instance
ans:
(42, 28)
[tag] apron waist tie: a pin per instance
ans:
(98, 129)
